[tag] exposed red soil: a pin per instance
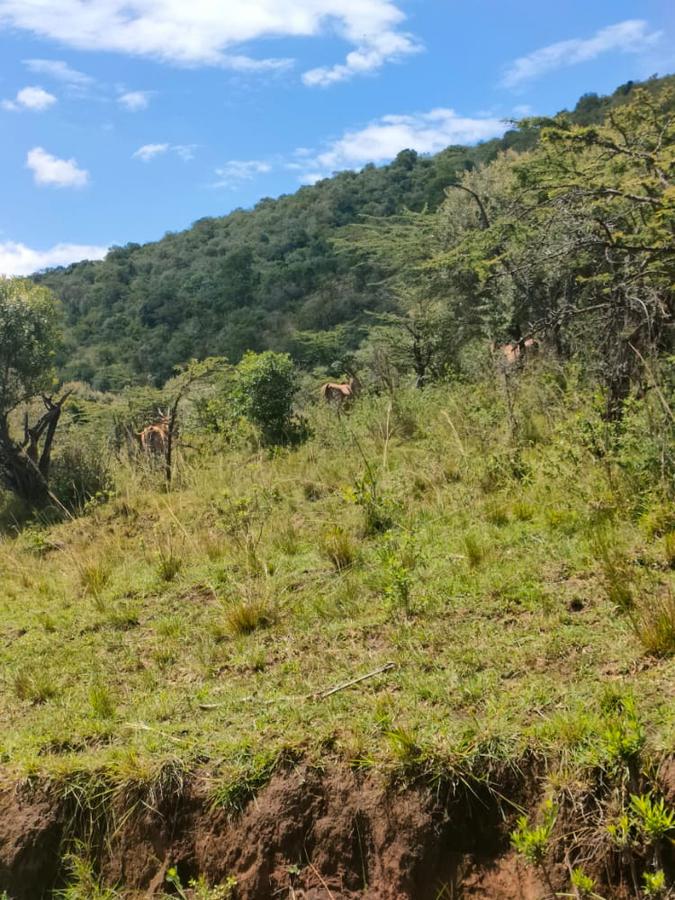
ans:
(309, 834)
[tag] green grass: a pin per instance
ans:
(205, 623)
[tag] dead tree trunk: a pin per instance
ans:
(25, 465)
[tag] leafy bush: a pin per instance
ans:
(265, 385)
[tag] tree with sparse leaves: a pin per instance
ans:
(29, 336)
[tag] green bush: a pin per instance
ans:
(265, 385)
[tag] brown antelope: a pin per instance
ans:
(155, 438)
(516, 351)
(339, 393)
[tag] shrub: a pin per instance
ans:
(265, 386)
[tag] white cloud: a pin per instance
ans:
(522, 110)
(237, 170)
(373, 53)
(33, 97)
(58, 69)
(19, 259)
(135, 100)
(50, 170)
(150, 151)
(208, 32)
(382, 139)
(631, 36)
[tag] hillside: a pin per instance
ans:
(410, 636)
(182, 670)
(251, 280)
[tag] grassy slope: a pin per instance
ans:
(124, 639)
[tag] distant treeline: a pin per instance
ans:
(273, 277)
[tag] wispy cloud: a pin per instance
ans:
(33, 98)
(234, 171)
(50, 171)
(149, 151)
(204, 32)
(134, 101)
(374, 51)
(631, 36)
(19, 259)
(382, 139)
(378, 142)
(59, 70)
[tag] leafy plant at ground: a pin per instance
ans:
(534, 841)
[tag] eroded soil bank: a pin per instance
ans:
(308, 834)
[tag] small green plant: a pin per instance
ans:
(653, 820)
(622, 739)
(124, 615)
(533, 841)
(522, 510)
(263, 391)
(583, 885)
(654, 884)
(199, 888)
(84, 884)
(399, 584)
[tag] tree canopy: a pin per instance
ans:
(257, 279)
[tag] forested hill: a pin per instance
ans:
(257, 279)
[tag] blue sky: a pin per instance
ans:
(123, 119)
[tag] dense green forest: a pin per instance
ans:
(271, 277)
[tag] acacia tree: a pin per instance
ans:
(420, 333)
(575, 239)
(616, 181)
(29, 334)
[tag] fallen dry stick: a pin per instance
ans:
(321, 695)
(318, 695)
